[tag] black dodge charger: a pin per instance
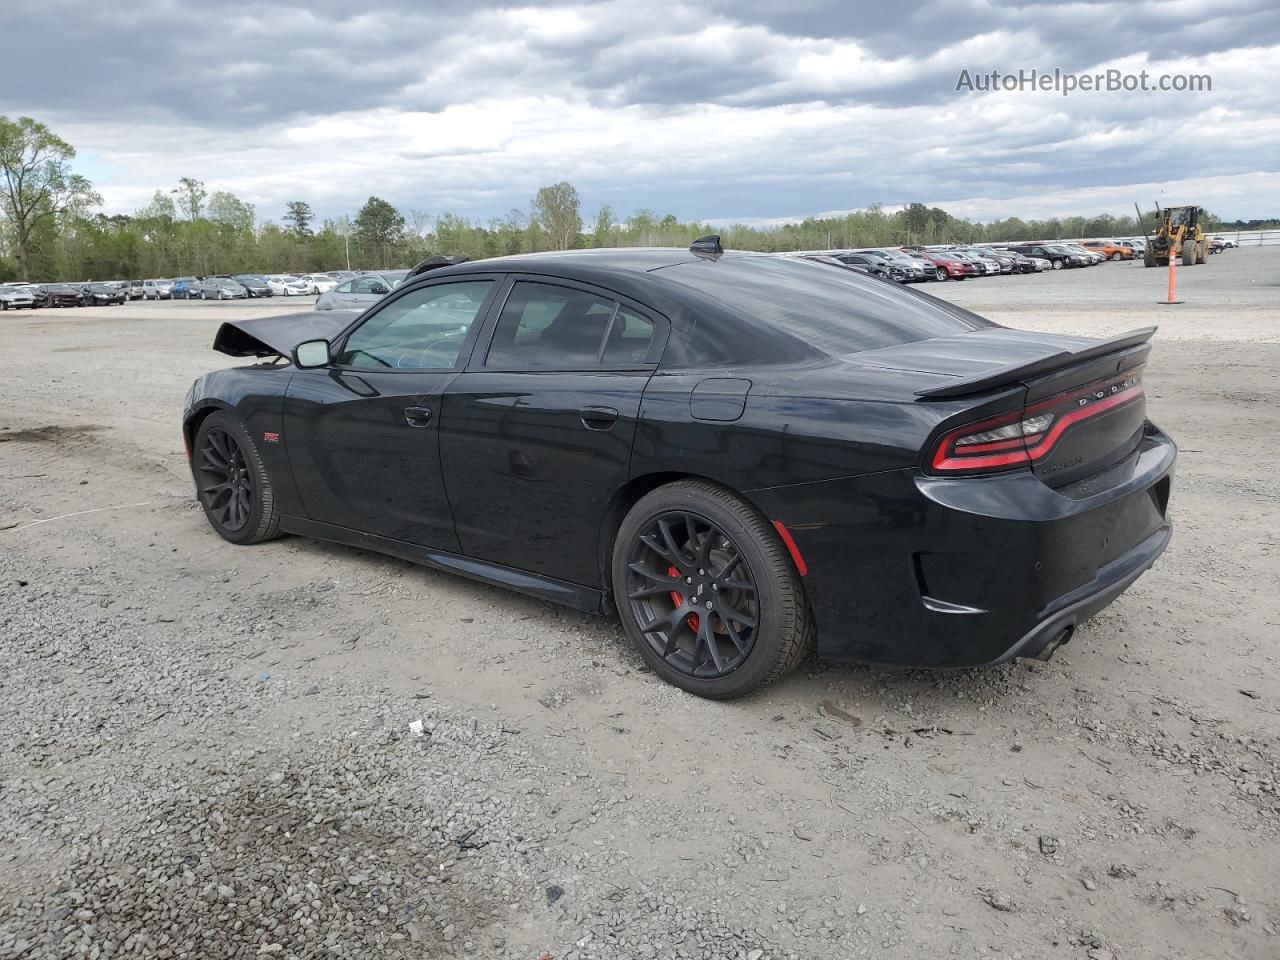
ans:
(742, 455)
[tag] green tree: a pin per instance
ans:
(298, 217)
(558, 212)
(602, 233)
(226, 208)
(160, 207)
(378, 228)
(39, 186)
(190, 193)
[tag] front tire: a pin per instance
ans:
(1057, 264)
(707, 592)
(232, 482)
(940, 274)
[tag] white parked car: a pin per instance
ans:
(157, 289)
(319, 282)
(16, 296)
(283, 286)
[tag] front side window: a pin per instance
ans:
(423, 330)
(547, 327)
(366, 285)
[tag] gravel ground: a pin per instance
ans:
(303, 750)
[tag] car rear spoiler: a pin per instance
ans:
(1003, 376)
(277, 336)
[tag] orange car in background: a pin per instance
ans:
(1109, 249)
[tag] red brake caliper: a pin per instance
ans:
(678, 600)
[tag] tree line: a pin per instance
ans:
(49, 228)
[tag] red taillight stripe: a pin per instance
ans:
(790, 544)
(1046, 443)
(1031, 448)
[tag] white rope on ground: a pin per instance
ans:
(81, 513)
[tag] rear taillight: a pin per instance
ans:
(1019, 439)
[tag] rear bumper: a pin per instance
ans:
(923, 571)
(1074, 608)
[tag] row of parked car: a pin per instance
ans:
(918, 264)
(14, 296)
(226, 286)
(346, 287)
(351, 289)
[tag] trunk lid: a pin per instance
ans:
(1082, 408)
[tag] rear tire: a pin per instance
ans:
(232, 483)
(727, 557)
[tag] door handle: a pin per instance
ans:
(598, 418)
(417, 416)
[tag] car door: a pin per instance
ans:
(536, 434)
(362, 434)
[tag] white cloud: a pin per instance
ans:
(696, 109)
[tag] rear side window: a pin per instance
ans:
(549, 327)
(826, 307)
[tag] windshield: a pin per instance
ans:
(835, 311)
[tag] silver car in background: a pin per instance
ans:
(15, 296)
(360, 291)
(220, 288)
(157, 289)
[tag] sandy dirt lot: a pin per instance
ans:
(207, 749)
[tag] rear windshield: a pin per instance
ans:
(832, 309)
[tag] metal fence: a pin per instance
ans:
(1252, 238)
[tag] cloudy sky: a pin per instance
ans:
(727, 110)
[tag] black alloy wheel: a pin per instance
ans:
(693, 595)
(232, 482)
(707, 592)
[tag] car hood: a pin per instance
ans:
(277, 336)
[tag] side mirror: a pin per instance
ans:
(311, 354)
(381, 290)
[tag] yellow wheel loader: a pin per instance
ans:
(1179, 235)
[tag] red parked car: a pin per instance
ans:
(946, 268)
